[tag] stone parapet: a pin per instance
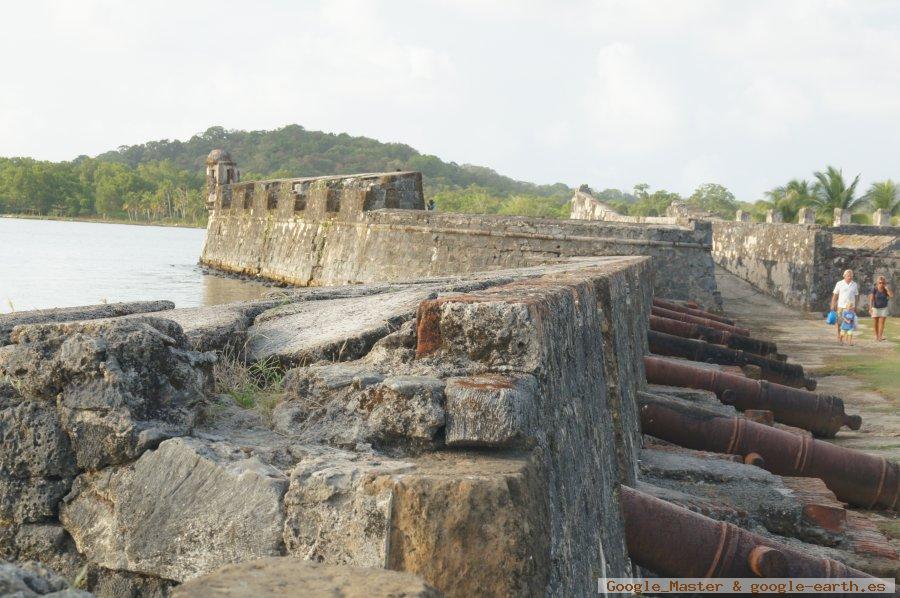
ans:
(799, 264)
(359, 242)
(881, 218)
(478, 442)
(806, 216)
(787, 261)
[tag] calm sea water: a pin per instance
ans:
(45, 263)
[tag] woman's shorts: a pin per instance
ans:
(879, 312)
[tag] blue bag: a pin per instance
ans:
(832, 317)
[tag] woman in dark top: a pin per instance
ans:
(878, 305)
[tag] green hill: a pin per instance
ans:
(162, 181)
(294, 151)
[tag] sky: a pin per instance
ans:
(610, 93)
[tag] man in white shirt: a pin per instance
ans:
(845, 296)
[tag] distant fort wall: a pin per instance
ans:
(786, 261)
(375, 228)
(797, 264)
(800, 263)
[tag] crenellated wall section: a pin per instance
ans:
(374, 228)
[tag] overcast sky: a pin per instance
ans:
(611, 93)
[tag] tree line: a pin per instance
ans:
(162, 181)
(91, 188)
(827, 191)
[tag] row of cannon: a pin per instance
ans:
(766, 382)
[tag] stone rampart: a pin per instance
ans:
(787, 261)
(586, 207)
(372, 228)
(479, 446)
(799, 263)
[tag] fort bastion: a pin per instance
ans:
(465, 406)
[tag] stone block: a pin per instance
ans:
(71, 314)
(498, 334)
(31, 579)
(339, 329)
(26, 500)
(774, 216)
(841, 217)
(405, 407)
(474, 525)
(806, 216)
(109, 583)
(179, 511)
(33, 441)
(881, 217)
(347, 404)
(290, 576)
(742, 216)
(338, 508)
(119, 386)
(491, 410)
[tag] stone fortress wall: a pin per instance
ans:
(473, 431)
(374, 227)
(800, 263)
(480, 432)
(796, 263)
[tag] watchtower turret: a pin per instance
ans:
(220, 170)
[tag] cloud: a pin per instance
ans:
(608, 92)
(628, 103)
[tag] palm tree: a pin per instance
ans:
(832, 192)
(884, 195)
(788, 199)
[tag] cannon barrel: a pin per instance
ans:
(677, 315)
(855, 477)
(789, 374)
(713, 335)
(822, 415)
(707, 548)
(666, 304)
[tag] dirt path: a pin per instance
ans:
(808, 340)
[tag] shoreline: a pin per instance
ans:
(100, 220)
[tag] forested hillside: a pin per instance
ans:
(162, 180)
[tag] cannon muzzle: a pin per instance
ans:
(677, 315)
(858, 478)
(685, 309)
(789, 374)
(823, 415)
(713, 335)
(710, 548)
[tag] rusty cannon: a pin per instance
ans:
(857, 478)
(716, 336)
(672, 305)
(707, 548)
(822, 415)
(681, 317)
(789, 374)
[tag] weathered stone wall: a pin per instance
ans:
(359, 242)
(480, 445)
(799, 264)
(586, 207)
(787, 261)
(561, 335)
